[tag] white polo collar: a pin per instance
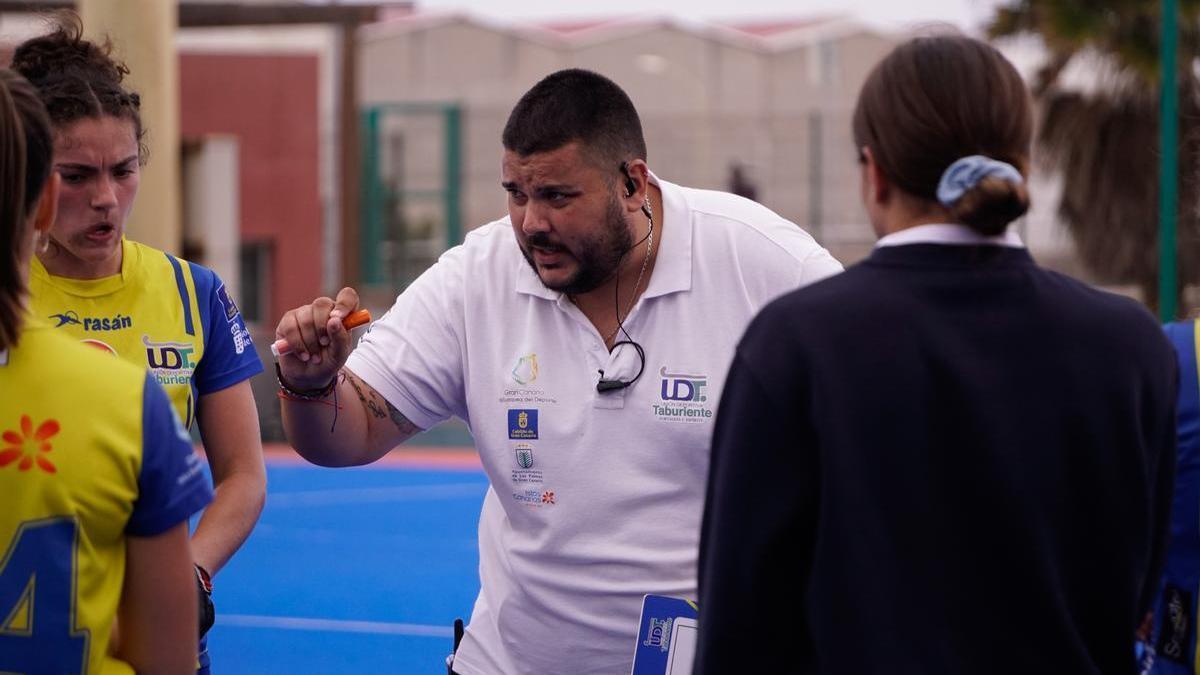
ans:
(948, 233)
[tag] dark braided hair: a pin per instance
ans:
(77, 78)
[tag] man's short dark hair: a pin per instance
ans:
(576, 105)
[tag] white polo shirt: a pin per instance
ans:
(595, 499)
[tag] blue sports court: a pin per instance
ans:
(357, 570)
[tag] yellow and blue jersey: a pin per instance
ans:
(90, 452)
(1175, 631)
(170, 316)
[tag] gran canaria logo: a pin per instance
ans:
(519, 382)
(526, 370)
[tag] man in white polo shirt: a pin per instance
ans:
(585, 339)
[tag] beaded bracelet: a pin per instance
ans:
(304, 394)
(312, 395)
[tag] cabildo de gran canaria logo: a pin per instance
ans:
(523, 424)
(683, 397)
(171, 362)
(71, 318)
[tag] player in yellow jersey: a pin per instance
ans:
(170, 316)
(97, 474)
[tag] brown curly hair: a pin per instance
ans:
(78, 78)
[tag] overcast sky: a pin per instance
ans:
(892, 14)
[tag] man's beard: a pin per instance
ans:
(598, 256)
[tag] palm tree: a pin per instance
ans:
(1103, 139)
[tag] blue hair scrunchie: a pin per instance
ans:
(966, 173)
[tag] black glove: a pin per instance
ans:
(208, 613)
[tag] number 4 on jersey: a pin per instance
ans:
(37, 601)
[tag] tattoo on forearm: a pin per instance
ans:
(407, 428)
(376, 405)
(370, 404)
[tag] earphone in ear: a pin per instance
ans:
(630, 186)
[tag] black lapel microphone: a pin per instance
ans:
(611, 384)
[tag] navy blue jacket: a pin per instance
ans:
(944, 460)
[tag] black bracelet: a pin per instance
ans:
(305, 394)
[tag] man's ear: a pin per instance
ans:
(637, 176)
(47, 208)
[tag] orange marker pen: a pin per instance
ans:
(353, 320)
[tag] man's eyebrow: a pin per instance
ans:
(560, 188)
(543, 189)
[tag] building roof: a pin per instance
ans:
(780, 34)
(771, 27)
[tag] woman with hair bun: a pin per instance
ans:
(946, 459)
(97, 478)
(170, 316)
